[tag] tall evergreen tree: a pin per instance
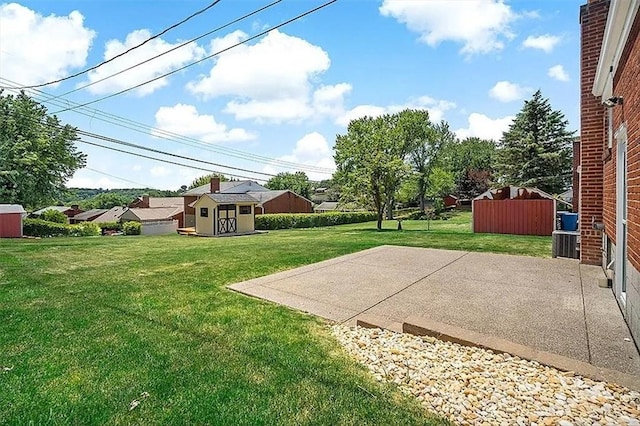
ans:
(536, 150)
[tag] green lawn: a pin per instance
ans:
(89, 324)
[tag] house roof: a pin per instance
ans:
(111, 215)
(264, 196)
(61, 209)
(158, 213)
(225, 187)
(157, 202)
(231, 198)
(89, 214)
(11, 208)
(327, 205)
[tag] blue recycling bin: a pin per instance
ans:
(569, 221)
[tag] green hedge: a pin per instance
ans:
(43, 228)
(110, 226)
(132, 228)
(311, 220)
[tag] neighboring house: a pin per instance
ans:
(158, 208)
(281, 201)
(11, 216)
(609, 190)
(152, 215)
(215, 186)
(220, 214)
(326, 207)
(67, 211)
(111, 215)
(87, 216)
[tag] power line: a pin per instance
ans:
(235, 21)
(153, 37)
(157, 151)
(118, 177)
(168, 161)
(174, 137)
(282, 24)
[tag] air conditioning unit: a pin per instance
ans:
(565, 244)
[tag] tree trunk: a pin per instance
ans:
(422, 202)
(390, 208)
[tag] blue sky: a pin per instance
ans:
(276, 103)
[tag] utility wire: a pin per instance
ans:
(118, 177)
(282, 24)
(167, 161)
(174, 137)
(170, 50)
(157, 151)
(153, 37)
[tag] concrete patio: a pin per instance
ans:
(551, 305)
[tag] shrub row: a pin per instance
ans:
(43, 228)
(311, 220)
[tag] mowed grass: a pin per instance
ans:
(89, 324)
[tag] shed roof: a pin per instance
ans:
(11, 208)
(327, 205)
(226, 187)
(89, 214)
(232, 198)
(61, 209)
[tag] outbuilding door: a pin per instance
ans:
(227, 222)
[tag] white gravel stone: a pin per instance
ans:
(472, 386)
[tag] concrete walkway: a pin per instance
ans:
(552, 305)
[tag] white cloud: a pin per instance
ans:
(37, 49)
(311, 150)
(436, 109)
(505, 91)
(544, 42)
(145, 72)
(160, 171)
(274, 79)
(558, 72)
(136, 167)
(481, 26)
(483, 127)
(185, 120)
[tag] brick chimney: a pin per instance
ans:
(145, 202)
(215, 184)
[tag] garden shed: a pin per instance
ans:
(514, 210)
(220, 214)
(11, 216)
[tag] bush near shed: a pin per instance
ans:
(311, 220)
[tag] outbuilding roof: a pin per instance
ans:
(232, 198)
(11, 208)
(226, 187)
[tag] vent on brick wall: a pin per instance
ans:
(565, 244)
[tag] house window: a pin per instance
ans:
(245, 209)
(227, 207)
(204, 212)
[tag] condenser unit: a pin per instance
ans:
(565, 244)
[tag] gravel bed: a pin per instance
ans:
(473, 386)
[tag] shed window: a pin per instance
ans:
(245, 209)
(204, 211)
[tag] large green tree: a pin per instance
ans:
(471, 162)
(37, 152)
(426, 142)
(297, 182)
(370, 162)
(206, 179)
(536, 150)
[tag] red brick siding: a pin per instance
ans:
(593, 18)
(287, 203)
(625, 84)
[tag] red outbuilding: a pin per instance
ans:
(11, 216)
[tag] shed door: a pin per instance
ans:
(227, 219)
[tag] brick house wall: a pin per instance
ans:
(593, 18)
(575, 180)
